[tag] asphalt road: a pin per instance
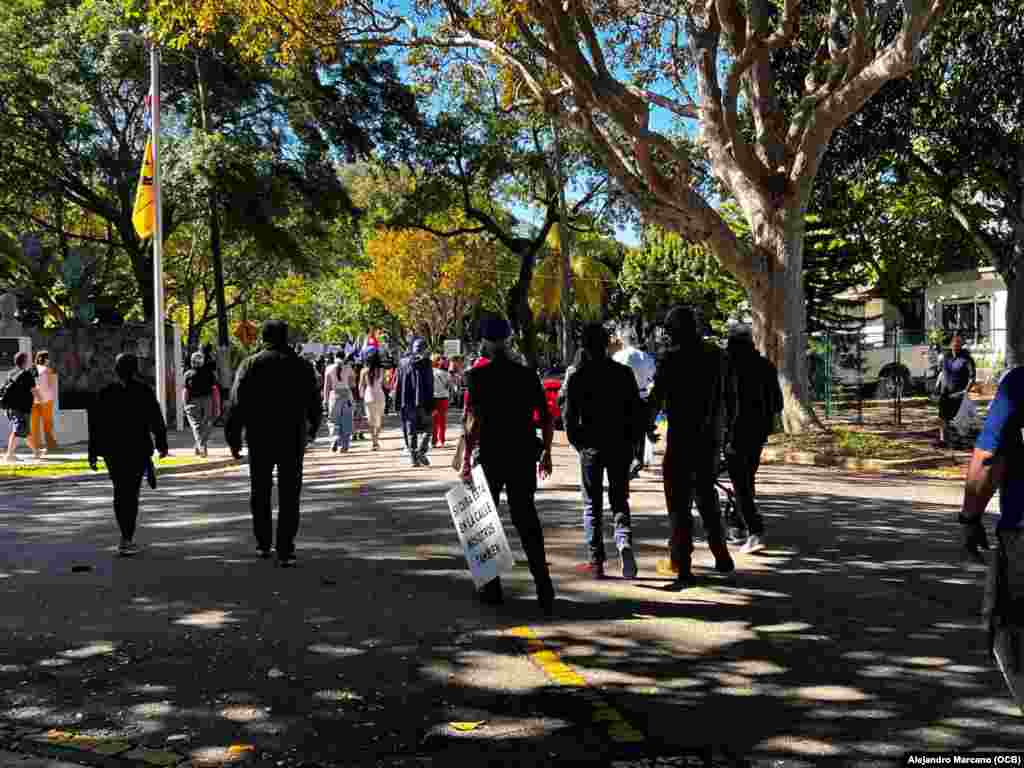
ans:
(852, 639)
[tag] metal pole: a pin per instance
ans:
(564, 246)
(160, 353)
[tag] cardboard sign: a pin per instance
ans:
(452, 347)
(480, 531)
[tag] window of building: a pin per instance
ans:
(972, 319)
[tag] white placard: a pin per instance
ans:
(480, 531)
(452, 347)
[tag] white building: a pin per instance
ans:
(973, 302)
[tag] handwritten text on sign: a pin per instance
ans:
(480, 531)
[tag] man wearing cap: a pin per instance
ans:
(415, 397)
(504, 395)
(642, 366)
(276, 403)
(689, 385)
(124, 422)
(753, 400)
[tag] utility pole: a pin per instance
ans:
(160, 353)
(565, 247)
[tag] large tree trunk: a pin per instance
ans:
(520, 314)
(1014, 279)
(779, 308)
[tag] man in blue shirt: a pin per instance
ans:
(998, 462)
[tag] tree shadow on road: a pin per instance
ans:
(854, 637)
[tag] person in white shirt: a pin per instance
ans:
(43, 404)
(643, 366)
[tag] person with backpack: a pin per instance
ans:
(753, 400)
(18, 395)
(198, 397)
(124, 423)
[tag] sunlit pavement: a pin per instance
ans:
(851, 640)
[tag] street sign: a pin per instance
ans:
(452, 347)
(480, 531)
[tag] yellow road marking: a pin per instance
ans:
(618, 728)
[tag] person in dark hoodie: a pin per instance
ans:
(753, 400)
(690, 385)
(124, 423)
(415, 397)
(276, 403)
(604, 418)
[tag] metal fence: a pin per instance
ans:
(849, 368)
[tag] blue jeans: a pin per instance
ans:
(343, 424)
(593, 464)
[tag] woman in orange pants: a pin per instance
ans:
(42, 407)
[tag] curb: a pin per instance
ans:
(806, 458)
(181, 469)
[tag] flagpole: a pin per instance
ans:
(160, 352)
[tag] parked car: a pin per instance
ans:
(882, 368)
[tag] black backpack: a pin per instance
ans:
(14, 395)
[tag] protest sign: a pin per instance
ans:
(480, 531)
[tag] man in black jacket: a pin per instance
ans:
(753, 400)
(276, 403)
(604, 418)
(690, 385)
(18, 399)
(123, 424)
(504, 395)
(415, 398)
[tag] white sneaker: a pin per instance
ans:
(753, 544)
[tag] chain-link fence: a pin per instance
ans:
(851, 370)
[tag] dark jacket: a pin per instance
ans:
(505, 396)
(603, 409)
(124, 421)
(19, 395)
(753, 395)
(275, 401)
(415, 383)
(689, 384)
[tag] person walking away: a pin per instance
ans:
(330, 379)
(390, 382)
(337, 394)
(275, 404)
(603, 416)
(689, 385)
(217, 399)
(642, 366)
(125, 424)
(43, 405)
(504, 396)
(442, 396)
(415, 401)
(19, 395)
(359, 420)
(471, 454)
(372, 387)
(753, 400)
(958, 376)
(998, 463)
(198, 397)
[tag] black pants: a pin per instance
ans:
(593, 465)
(689, 469)
(288, 460)
(743, 465)
(126, 474)
(518, 479)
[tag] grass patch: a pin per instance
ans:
(851, 444)
(80, 466)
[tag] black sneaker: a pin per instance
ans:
(491, 593)
(286, 561)
(263, 553)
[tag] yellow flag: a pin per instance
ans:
(144, 213)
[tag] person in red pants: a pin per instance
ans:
(442, 395)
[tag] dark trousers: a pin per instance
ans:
(416, 435)
(593, 464)
(126, 474)
(519, 481)
(689, 470)
(262, 461)
(743, 465)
